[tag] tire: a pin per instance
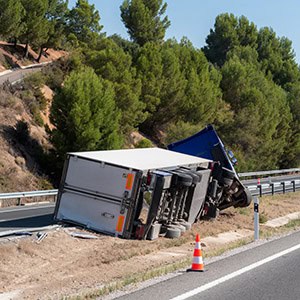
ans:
(186, 225)
(245, 197)
(173, 233)
(185, 179)
(196, 177)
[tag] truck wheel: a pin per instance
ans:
(173, 233)
(185, 179)
(246, 199)
(186, 225)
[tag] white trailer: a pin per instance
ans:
(104, 191)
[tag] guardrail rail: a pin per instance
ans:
(21, 195)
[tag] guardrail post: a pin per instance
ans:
(19, 202)
(260, 190)
(272, 188)
(256, 218)
(294, 185)
(283, 187)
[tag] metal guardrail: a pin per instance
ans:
(28, 194)
(271, 172)
(20, 195)
(274, 188)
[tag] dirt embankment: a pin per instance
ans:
(62, 265)
(19, 170)
(12, 56)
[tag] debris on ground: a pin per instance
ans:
(40, 236)
(83, 235)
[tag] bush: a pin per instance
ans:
(180, 130)
(144, 143)
(7, 100)
(34, 81)
(263, 218)
(54, 76)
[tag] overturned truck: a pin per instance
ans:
(145, 193)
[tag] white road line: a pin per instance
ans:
(234, 274)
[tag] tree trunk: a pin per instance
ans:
(15, 42)
(40, 54)
(26, 50)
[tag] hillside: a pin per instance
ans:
(20, 169)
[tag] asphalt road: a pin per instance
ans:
(18, 74)
(268, 271)
(26, 217)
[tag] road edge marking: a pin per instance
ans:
(234, 274)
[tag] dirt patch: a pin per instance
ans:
(11, 56)
(45, 115)
(62, 265)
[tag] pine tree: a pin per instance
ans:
(260, 124)
(229, 32)
(144, 20)
(56, 18)
(83, 23)
(150, 70)
(35, 23)
(173, 91)
(202, 93)
(11, 14)
(84, 114)
(113, 64)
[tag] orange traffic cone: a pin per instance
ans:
(197, 265)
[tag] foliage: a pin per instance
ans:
(84, 114)
(149, 71)
(11, 15)
(36, 25)
(180, 130)
(259, 127)
(83, 23)
(113, 64)
(144, 20)
(144, 143)
(228, 33)
(53, 75)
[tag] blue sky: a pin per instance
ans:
(194, 18)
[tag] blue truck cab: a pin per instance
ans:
(225, 188)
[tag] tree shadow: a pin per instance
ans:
(28, 222)
(22, 144)
(17, 51)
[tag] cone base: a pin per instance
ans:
(191, 270)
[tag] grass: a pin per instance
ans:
(262, 218)
(244, 211)
(293, 224)
(132, 279)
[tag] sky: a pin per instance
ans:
(195, 18)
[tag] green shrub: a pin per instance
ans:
(263, 218)
(144, 143)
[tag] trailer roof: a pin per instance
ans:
(142, 159)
